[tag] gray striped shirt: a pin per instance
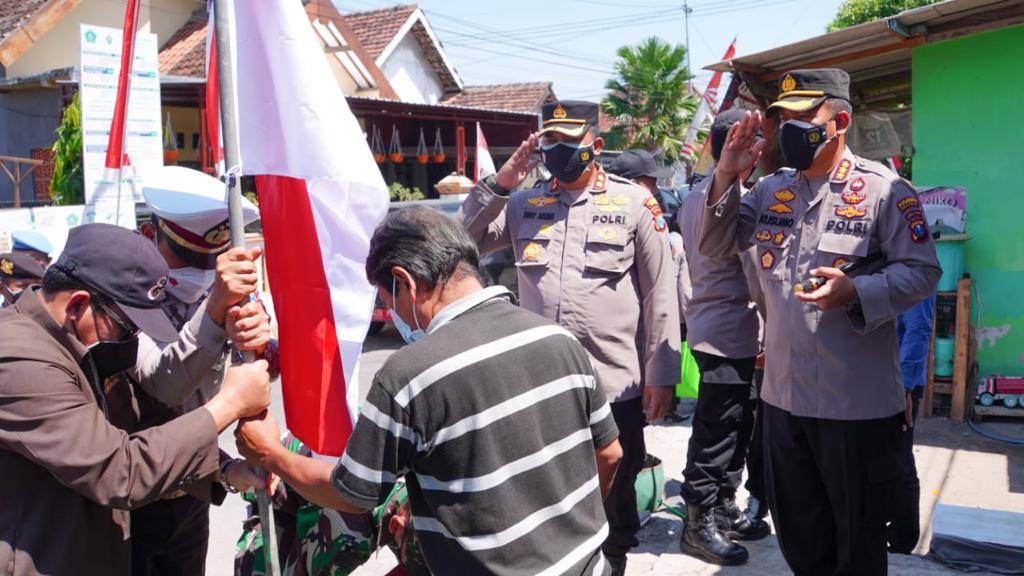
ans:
(493, 419)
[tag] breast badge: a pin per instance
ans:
(786, 195)
(780, 208)
(532, 252)
(850, 212)
(768, 260)
(541, 201)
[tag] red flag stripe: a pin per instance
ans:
(312, 374)
(115, 143)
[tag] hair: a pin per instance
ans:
(720, 129)
(427, 243)
(56, 280)
(837, 105)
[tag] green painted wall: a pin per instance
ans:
(969, 131)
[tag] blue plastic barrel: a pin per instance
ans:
(943, 362)
(950, 250)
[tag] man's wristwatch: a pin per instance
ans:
(491, 182)
(224, 475)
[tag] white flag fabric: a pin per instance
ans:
(482, 161)
(321, 196)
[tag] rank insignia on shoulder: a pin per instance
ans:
(851, 197)
(606, 234)
(850, 212)
(531, 252)
(763, 235)
(857, 185)
(842, 171)
(541, 201)
(768, 260)
(785, 195)
(780, 208)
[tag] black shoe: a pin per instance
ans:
(736, 525)
(756, 509)
(618, 564)
(702, 539)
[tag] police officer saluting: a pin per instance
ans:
(593, 255)
(833, 402)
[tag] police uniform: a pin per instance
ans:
(832, 395)
(17, 271)
(170, 536)
(598, 264)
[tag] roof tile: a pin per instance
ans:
(15, 13)
(376, 28)
(523, 97)
(185, 53)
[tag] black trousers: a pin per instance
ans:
(170, 537)
(755, 451)
(831, 486)
(722, 425)
(905, 529)
(620, 505)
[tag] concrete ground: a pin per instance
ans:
(956, 466)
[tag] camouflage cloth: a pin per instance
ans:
(314, 541)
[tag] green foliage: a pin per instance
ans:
(854, 12)
(650, 97)
(400, 193)
(68, 183)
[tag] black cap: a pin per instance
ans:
(124, 266)
(720, 129)
(569, 117)
(802, 90)
(19, 266)
(635, 164)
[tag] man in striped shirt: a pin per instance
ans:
(493, 414)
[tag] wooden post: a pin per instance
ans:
(927, 402)
(958, 411)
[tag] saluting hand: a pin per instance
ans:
(519, 166)
(836, 292)
(236, 280)
(742, 148)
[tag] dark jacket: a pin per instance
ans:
(69, 475)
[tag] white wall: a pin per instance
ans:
(409, 73)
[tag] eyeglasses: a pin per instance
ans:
(129, 329)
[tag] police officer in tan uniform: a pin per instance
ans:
(593, 255)
(833, 401)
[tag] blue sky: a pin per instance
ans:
(573, 42)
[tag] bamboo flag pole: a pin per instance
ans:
(223, 16)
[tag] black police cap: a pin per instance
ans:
(635, 164)
(124, 266)
(19, 266)
(569, 117)
(802, 90)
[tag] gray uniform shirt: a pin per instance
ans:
(836, 364)
(600, 265)
(187, 372)
(721, 317)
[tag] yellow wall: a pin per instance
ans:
(58, 48)
(186, 121)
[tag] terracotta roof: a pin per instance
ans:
(376, 28)
(185, 53)
(15, 13)
(525, 97)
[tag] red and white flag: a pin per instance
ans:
(321, 196)
(212, 119)
(114, 199)
(483, 164)
(707, 104)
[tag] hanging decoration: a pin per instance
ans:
(438, 147)
(395, 151)
(421, 149)
(376, 144)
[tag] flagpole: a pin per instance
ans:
(224, 14)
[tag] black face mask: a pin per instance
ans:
(567, 162)
(109, 357)
(801, 142)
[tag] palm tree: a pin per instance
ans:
(650, 97)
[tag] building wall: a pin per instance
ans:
(58, 48)
(28, 119)
(966, 133)
(409, 73)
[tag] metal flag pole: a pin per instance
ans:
(223, 16)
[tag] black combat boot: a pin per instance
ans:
(737, 525)
(702, 539)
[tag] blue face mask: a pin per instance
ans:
(408, 334)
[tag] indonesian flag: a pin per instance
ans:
(483, 164)
(114, 198)
(707, 103)
(321, 196)
(212, 104)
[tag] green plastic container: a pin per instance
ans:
(950, 250)
(943, 363)
(650, 485)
